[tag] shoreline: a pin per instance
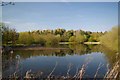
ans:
(9, 48)
(39, 48)
(78, 43)
(91, 42)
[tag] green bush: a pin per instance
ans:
(72, 39)
(80, 38)
(51, 39)
(25, 38)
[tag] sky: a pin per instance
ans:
(88, 16)
(61, 0)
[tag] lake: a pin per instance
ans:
(60, 61)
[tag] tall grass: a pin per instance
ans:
(110, 39)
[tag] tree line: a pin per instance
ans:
(53, 37)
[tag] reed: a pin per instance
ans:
(112, 73)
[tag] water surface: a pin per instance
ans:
(73, 58)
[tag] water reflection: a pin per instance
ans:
(44, 60)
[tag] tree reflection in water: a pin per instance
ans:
(12, 61)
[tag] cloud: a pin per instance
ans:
(26, 26)
(6, 22)
(23, 26)
(64, 1)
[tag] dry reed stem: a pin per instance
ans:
(99, 66)
(113, 72)
(27, 75)
(69, 68)
(75, 73)
(81, 72)
(53, 70)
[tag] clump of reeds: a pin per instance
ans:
(111, 74)
(114, 72)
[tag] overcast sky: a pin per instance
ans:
(90, 16)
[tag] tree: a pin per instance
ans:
(95, 36)
(25, 38)
(59, 31)
(91, 39)
(51, 39)
(72, 39)
(9, 35)
(80, 36)
(65, 37)
(39, 39)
